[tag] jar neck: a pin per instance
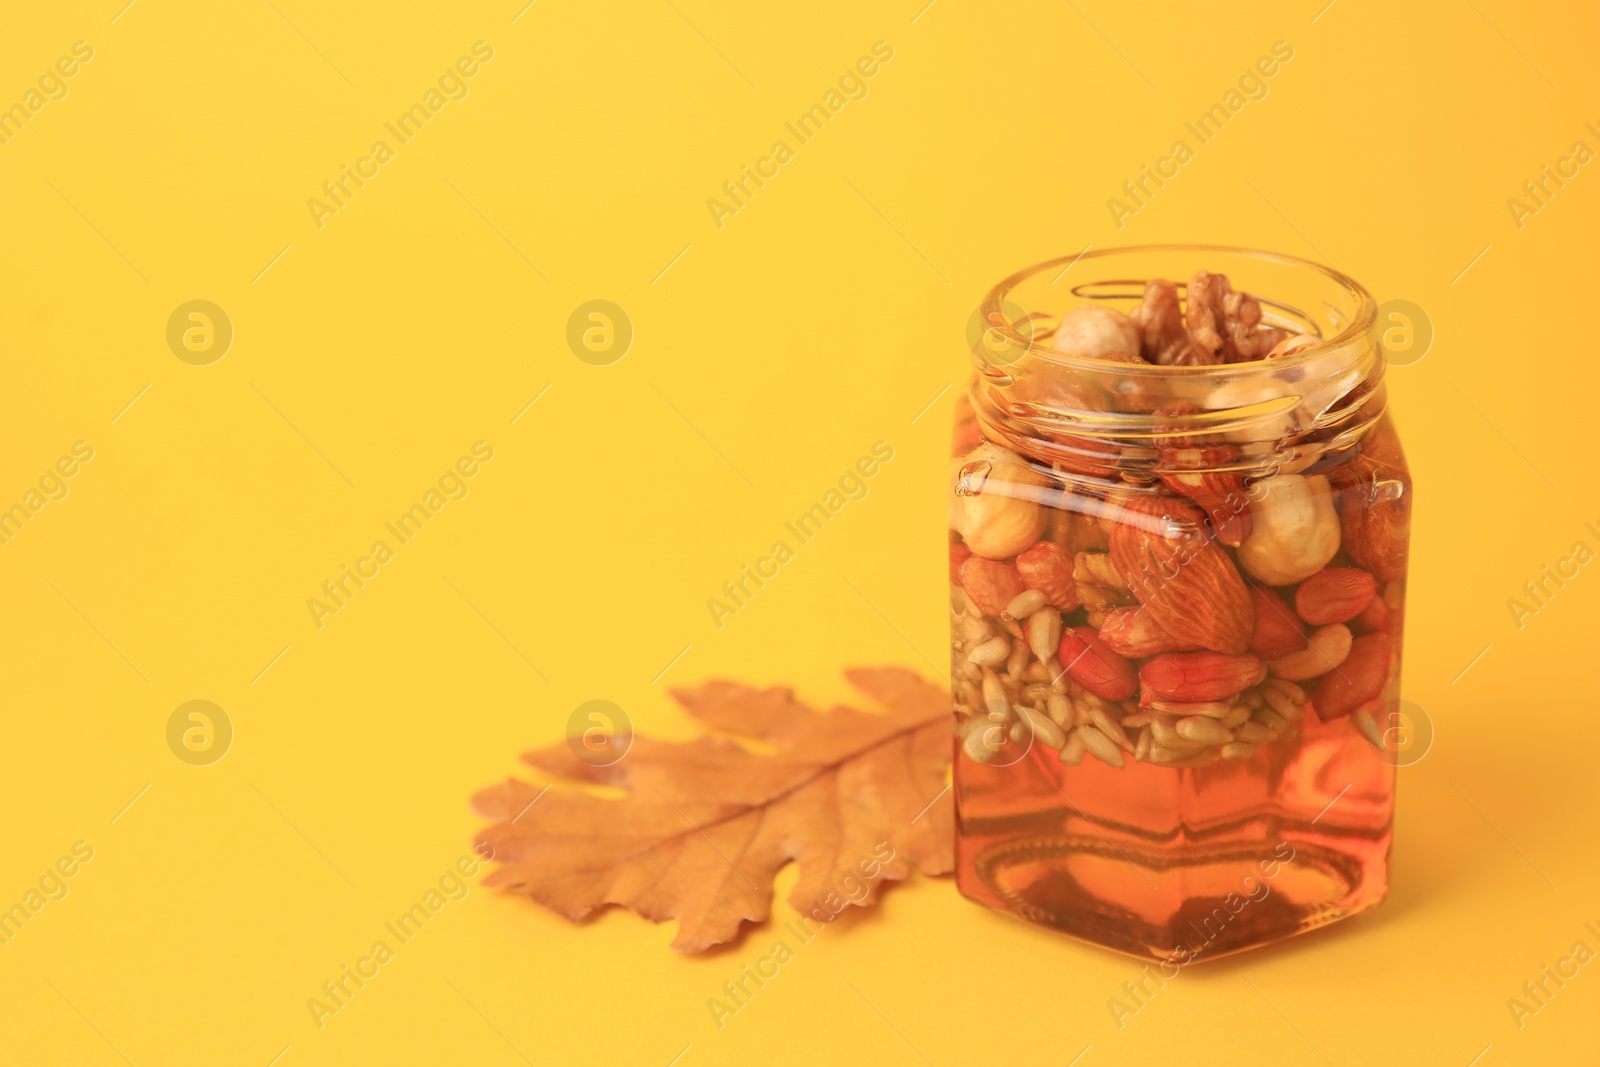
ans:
(1130, 423)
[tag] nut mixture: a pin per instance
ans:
(1184, 626)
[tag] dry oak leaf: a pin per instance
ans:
(706, 824)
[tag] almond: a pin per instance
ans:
(1094, 666)
(967, 437)
(1334, 594)
(1360, 677)
(1047, 567)
(1133, 633)
(1220, 493)
(1186, 582)
(1277, 632)
(958, 555)
(990, 584)
(1198, 676)
(1377, 616)
(1375, 504)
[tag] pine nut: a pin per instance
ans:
(1238, 750)
(995, 650)
(1201, 728)
(1035, 673)
(1237, 717)
(1136, 720)
(1018, 733)
(1024, 604)
(1045, 730)
(1100, 746)
(1072, 751)
(1141, 748)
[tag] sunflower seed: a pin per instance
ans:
(1216, 709)
(1045, 730)
(1110, 727)
(1201, 728)
(1252, 732)
(1141, 749)
(1017, 662)
(1100, 746)
(1059, 708)
(975, 628)
(1044, 632)
(983, 741)
(993, 651)
(994, 692)
(1284, 705)
(1287, 688)
(1025, 603)
(1364, 722)
(1072, 751)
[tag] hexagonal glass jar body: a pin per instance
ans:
(1177, 603)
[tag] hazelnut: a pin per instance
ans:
(1294, 530)
(1088, 331)
(989, 505)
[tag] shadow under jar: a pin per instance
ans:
(1177, 602)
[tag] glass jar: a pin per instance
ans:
(1177, 596)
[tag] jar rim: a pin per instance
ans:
(1365, 314)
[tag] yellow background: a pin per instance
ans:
(824, 316)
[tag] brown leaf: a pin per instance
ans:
(706, 824)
